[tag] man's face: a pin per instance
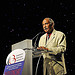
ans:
(46, 26)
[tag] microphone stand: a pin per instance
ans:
(35, 48)
(37, 65)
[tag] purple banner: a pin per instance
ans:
(14, 69)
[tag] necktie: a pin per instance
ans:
(47, 37)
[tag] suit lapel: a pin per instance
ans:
(51, 37)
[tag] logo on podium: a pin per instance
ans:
(15, 62)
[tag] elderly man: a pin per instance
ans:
(54, 44)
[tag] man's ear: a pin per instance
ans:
(51, 26)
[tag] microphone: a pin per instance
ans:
(36, 36)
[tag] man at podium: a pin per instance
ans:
(54, 44)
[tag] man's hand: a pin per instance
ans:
(42, 48)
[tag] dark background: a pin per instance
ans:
(21, 19)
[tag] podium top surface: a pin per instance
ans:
(22, 44)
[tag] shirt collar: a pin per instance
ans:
(48, 34)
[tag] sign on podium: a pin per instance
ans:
(15, 62)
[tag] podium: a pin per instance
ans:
(26, 45)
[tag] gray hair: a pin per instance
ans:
(51, 21)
